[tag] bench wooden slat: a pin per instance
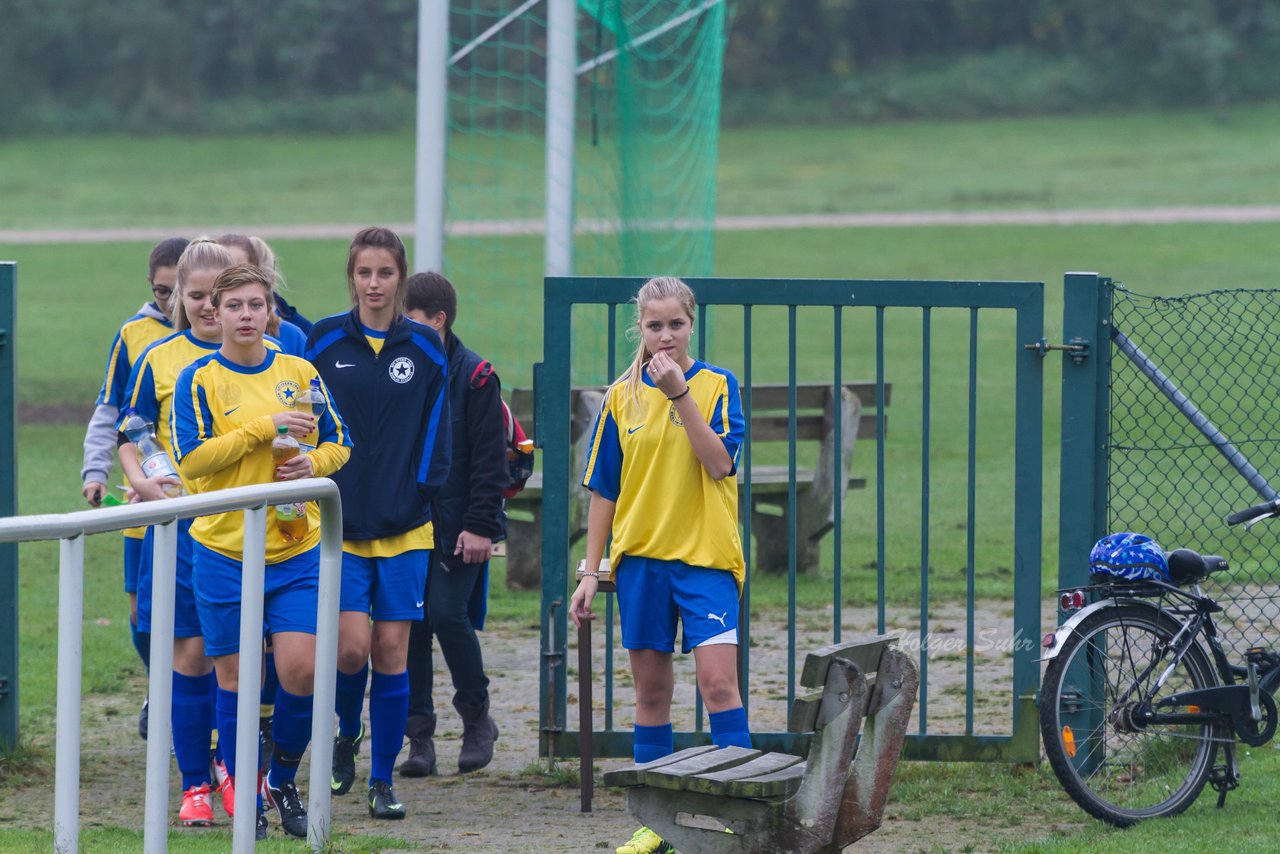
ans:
(765, 480)
(767, 399)
(773, 428)
(714, 783)
(779, 784)
(865, 653)
(676, 775)
(803, 714)
(630, 776)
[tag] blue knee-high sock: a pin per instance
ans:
(388, 713)
(729, 728)
(192, 722)
(653, 742)
(141, 644)
(227, 717)
(270, 685)
(349, 700)
(291, 728)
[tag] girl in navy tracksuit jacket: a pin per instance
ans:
(388, 376)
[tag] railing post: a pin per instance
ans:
(1086, 389)
(250, 677)
(164, 567)
(66, 786)
(319, 795)
(8, 507)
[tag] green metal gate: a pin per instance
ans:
(936, 328)
(8, 507)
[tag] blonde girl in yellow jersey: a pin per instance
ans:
(661, 470)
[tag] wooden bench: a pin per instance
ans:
(771, 802)
(815, 486)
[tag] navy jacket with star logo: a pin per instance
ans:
(395, 403)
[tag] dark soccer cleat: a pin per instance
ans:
(142, 718)
(383, 802)
(286, 801)
(260, 832)
(344, 761)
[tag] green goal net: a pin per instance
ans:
(646, 127)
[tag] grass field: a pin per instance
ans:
(1121, 160)
(1113, 161)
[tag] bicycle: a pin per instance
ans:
(1133, 710)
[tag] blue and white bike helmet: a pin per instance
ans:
(1129, 557)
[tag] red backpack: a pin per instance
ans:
(519, 445)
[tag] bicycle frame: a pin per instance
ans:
(1230, 703)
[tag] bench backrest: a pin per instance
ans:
(865, 653)
(769, 410)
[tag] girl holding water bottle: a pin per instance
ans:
(228, 408)
(145, 424)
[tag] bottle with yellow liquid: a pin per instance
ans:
(291, 519)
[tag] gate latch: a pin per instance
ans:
(1077, 347)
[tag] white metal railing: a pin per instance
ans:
(71, 529)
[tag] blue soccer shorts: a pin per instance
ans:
(653, 595)
(132, 554)
(290, 597)
(386, 588)
(186, 620)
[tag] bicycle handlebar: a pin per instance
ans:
(1257, 511)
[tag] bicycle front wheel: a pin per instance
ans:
(1115, 766)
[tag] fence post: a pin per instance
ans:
(8, 507)
(66, 782)
(1086, 389)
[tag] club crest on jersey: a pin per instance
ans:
(675, 416)
(287, 392)
(401, 369)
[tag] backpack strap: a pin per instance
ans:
(481, 374)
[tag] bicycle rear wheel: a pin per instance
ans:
(1115, 767)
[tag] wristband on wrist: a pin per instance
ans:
(595, 575)
(681, 394)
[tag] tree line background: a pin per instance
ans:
(143, 66)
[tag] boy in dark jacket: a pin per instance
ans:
(468, 516)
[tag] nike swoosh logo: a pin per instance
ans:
(419, 605)
(631, 430)
(341, 365)
(231, 410)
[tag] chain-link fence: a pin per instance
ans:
(1193, 435)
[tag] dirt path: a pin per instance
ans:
(509, 228)
(510, 806)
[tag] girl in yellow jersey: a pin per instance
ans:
(150, 395)
(661, 470)
(227, 409)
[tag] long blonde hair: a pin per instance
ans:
(663, 287)
(203, 253)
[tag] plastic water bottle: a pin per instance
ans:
(291, 519)
(152, 456)
(313, 397)
(311, 401)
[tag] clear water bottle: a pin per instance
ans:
(311, 401)
(152, 456)
(291, 519)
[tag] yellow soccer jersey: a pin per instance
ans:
(135, 335)
(154, 376)
(668, 506)
(222, 430)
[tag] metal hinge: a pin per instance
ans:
(1077, 347)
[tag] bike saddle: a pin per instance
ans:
(1188, 567)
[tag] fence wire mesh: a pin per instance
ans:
(1194, 378)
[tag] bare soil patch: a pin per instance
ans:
(506, 807)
